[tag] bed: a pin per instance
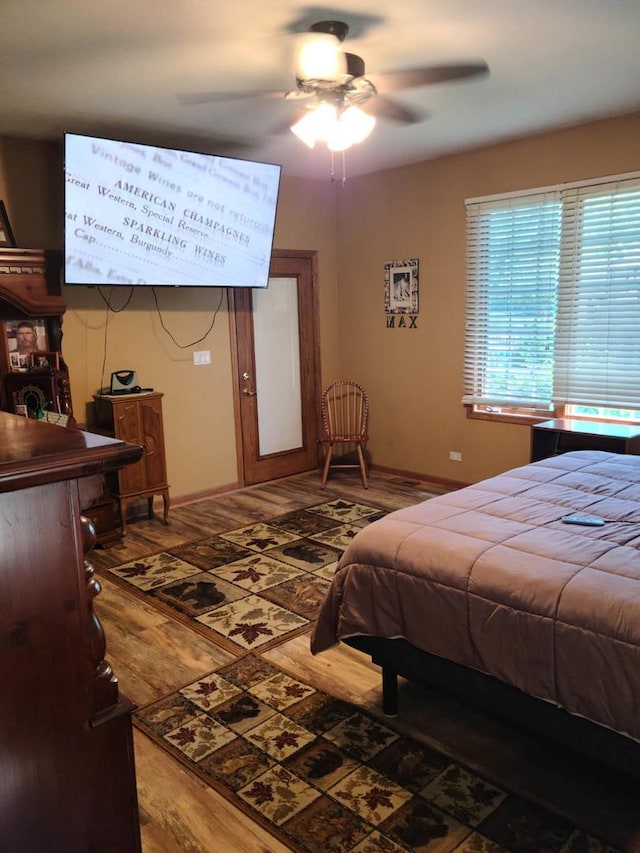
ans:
(486, 592)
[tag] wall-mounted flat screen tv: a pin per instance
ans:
(140, 215)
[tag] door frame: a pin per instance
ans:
(310, 339)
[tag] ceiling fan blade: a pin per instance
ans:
(285, 125)
(392, 81)
(220, 97)
(386, 108)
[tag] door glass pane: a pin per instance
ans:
(277, 358)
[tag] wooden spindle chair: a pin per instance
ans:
(345, 417)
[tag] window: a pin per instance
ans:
(602, 413)
(553, 299)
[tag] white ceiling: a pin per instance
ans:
(116, 67)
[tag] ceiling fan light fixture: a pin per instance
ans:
(316, 125)
(305, 132)
(357, 124)
(338, 141)
(339, 130)
(351, 127)
(320, 58)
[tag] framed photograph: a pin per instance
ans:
(6, 234)
(401, 287)
(45, 360)
(20, 362)
(26, 336)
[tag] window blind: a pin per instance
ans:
(553, 297)
(512, 270)
(597, 352)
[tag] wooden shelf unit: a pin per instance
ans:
(30, 290)
(560, 435)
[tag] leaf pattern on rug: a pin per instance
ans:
(258, 572)
(259, 537)
(464, 795)
(150, 572)
(211, 691)
(254, 586)
(281, 691)
(322, 774)
(278, 795)
(370, 795)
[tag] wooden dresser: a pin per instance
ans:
(68, 778)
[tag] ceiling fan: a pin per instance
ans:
(332, 86)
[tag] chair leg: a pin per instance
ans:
(363, 468)
(325, 470)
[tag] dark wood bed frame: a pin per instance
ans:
(495, 698)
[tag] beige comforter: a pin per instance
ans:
(490, 577)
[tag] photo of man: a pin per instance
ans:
(26, 336)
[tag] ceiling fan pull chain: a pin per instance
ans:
(344, 168)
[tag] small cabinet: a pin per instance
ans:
(137, 419)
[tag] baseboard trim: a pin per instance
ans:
(440, 482)
(437, 482)
(192, 497)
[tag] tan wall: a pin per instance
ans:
(198, 403)
(414, 376)
(31, 186)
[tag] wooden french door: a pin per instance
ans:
(276, 370)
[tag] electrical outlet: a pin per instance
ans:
(455, 456)
(202, 356)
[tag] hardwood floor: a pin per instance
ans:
(153, 654)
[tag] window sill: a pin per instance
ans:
(528, 420)
(504, 418)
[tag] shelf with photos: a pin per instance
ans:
(34, 379)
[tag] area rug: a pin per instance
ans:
(322, 775)
(255, 586)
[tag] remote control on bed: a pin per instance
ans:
(586, 520)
